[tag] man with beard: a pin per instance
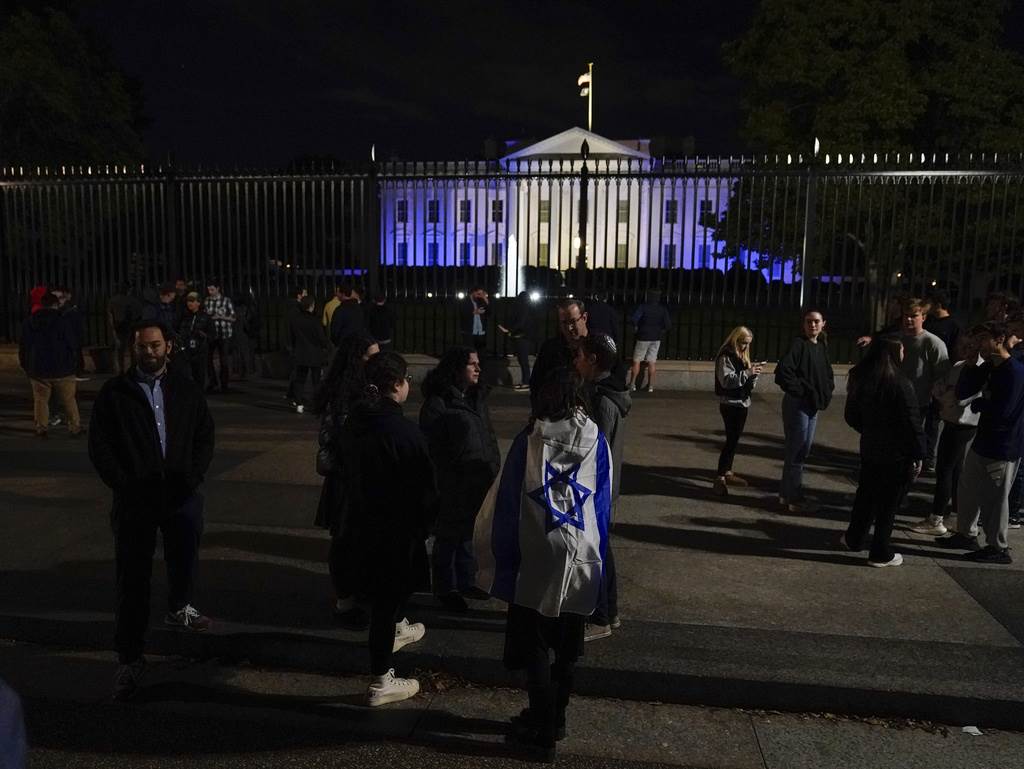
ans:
(151, 441)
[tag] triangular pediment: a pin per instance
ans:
(567, 145)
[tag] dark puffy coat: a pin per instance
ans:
(390, 498)
(48, 347)
(125, 448)
(805, 372)
(380, 318)
(603, 319)
(166, 313)
(306, 340)
(524, 323)
(889, 423)
(465, 454)
(194, 333)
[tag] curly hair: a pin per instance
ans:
(447, 372)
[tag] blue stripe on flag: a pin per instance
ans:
(603, 494)
(505, 526)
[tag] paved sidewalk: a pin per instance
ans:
(724, 602)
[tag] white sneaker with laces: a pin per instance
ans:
(187, 618)
(390, 688)
(408, 633)
(897, 560)
(930, 525)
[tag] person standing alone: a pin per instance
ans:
(650, 322)
(48, 354)
(222, 312)
(151, 441)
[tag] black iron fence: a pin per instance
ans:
(726, 240)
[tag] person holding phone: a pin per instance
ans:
(735, 379)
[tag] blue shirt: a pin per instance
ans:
(1001, 426)
(152, 388)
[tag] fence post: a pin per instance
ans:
(7, 302)
(810, 230)
(170, 184)
(372, 230)
(581, 255)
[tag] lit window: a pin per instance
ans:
(432, 254)
(624, 212)
(707, 207)
(543, 255)
(401, 211)
(497, 211)
(668, 255)
(544, 211)
(402, 254)
(465, 211)
(465, 255)
(621, 255)
(497, 252)
(433, 211)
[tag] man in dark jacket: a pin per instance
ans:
(75, 319)
(48, 354)
(473, 312)
(650, 322)
(560, 351)
(166, 311)
(192, 343)
(380, 318)
(151, 441)
(348, 319)
(308, 347)
(522, 328)
(609, 403)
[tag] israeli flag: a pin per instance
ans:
(541, 532)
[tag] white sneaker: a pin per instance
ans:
(389, 688)
(650, 389)
(632, 388)
(408, 633)
(300, 409)
(930, 525)
(897, 560)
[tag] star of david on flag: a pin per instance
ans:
(557, 518)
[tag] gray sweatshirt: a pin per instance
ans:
(925, 362)
(951, 408)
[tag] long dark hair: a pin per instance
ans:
(559, 396)
(383, 371)
(345, 378)
(447, 372)
(879, 371)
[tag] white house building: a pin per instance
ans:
(523, 210)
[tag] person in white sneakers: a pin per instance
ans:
(392, 501)
(959, 424)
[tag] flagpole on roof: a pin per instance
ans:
(587, 89)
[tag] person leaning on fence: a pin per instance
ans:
(222, 313)
(882, 406)
(959, 425)
(540, 539)
(343, 386)
(389, 482)
(990, 465)
(151, 440)
(608, 402)
(650, 322)
(735, 378)
(48, 354)
(805, 376)
(457, 423)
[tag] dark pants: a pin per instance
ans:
(196, 365)
(453, 565)
(297, 383)
(879, 491)
(608, 596)
(523, 348)
(385, 611)
(134, 546)
(735, 418)
(1016, 498)
(478, 342)
(548, 684)
(221, 348)
(932, 425)
(122, 351)
(339, 564)
(246, 360)
(949, 462)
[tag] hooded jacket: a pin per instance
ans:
(47, 349)
(465, 455)
(541, 533)
(610, 403)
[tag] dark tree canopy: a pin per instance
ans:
(879, 75)
(62, 99)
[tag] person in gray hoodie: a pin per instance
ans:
(608, 402)
(735, 378)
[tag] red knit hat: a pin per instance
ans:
(36, 295)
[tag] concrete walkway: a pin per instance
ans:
(725, 602)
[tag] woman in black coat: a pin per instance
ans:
(882, 407)
(344, 385)
(391, 501)
(307, 344)
(457, 423)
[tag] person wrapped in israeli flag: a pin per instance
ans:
(541, 532)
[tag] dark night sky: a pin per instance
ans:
(245, 81)
(255, 82)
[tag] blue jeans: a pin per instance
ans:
(454, 565)
(798, 423)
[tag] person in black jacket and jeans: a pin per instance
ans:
(522, 329)
(457, 423)
(882, 407)
(805, 375)
(48, 354)
(307, 345)
(151, 441)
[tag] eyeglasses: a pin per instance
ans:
(572, 321)
(408, 378)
